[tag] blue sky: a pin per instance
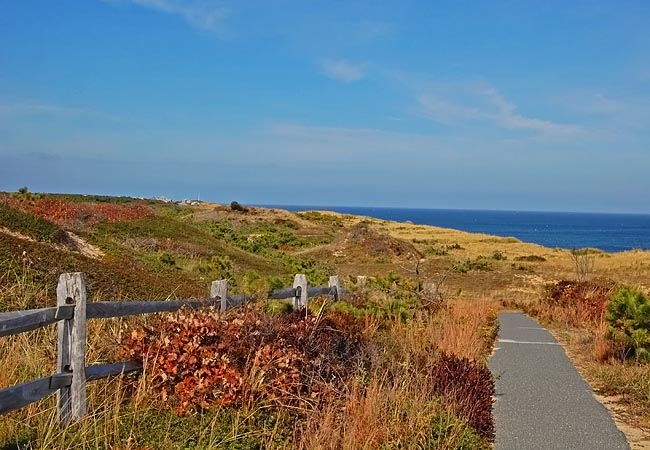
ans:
(515, 105)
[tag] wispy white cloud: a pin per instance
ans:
(471, 102)
(448, 112)
(590, 103)
(508, 117)
(343, 70)
(292, 142)
(206, 15)
(622, 115)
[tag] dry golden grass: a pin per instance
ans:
(467, 329)
(630, 267)
(398, 411)
(387, 414)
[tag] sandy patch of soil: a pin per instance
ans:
(83, 247)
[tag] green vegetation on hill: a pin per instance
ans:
(107, 279)
(84, 198)
(29, 225)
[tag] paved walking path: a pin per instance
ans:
(542, 402)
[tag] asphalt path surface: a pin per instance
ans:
(542, 402)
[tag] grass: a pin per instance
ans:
(378, 411)
(394, 405)
(177, 253)
(83, 198)
(107, 278)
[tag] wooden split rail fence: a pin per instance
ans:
(71, 313)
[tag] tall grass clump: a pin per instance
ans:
(20, 289)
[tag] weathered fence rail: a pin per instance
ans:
(71, 314)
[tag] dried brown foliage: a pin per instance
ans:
(202, 359)
(578, 302)
(151, 244)
(369, 241)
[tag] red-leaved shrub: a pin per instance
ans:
(469, 386)
(203, 359)
(71, 214)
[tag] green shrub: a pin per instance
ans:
(498, 255)
(316, 271)
(24, 194)
(224, 266)
(167, 258)
(277, 307)
(235, 206)
(261, 239)
(252, 283)
(480, 264)
(436, 251)
(326, 219)
(521, 267)
(386, 283)
(628, 317)
(530, 258)
(275, 283)
(447, 431)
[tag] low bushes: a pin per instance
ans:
(479, 264)
(619, 316)
(203, 360)
(576, 303)
(71, 214)
(348, 382)
(530, 258)
(628, 318)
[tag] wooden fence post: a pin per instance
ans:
(71, 348)
(220, 289)
(300, 284)
(361, 282)
(334, 283)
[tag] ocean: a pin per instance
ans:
(607, 232)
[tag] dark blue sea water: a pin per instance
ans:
(608, 232)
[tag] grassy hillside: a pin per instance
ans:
(431, 297)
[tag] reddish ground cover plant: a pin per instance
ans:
(468, 386)
(71, 214)
(202, 359)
